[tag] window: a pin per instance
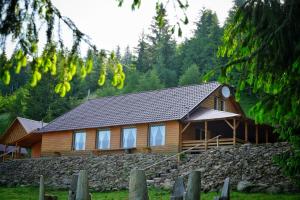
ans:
(216, 102)
(103, 139)
(79, 141)
(157, 135)
(222, 105)
(129, 138)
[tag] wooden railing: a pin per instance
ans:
(213, 142)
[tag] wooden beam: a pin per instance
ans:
(186, 126)
(267, 135)
(246, 131)
(256, 134)
(234, 131)
(229, 124)
(205, 131)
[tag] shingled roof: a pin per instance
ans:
(152, 106)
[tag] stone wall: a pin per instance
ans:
(251, 164)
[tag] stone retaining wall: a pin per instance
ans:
(247, 163)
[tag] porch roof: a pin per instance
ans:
(205, 114)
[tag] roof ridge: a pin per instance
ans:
(149, 91)
(29, 119)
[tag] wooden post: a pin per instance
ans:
(137, 185)
(246, 131)
(205, 134)
(256, 134)
(194, 186)
(42, 188)
(267, 135)
(234, 131)
(73, 186)
(178, 189)
(82, 190)
(225, 195)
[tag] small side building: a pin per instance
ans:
(21, 136)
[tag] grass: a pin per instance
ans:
(31, 193)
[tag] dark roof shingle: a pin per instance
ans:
(152, 106)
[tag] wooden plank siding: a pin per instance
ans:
(36, 150)
(62, 141)
(16, 132)
(229, 102)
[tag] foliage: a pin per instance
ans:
(263, 47)
(31, 193)
(202, 48)
(190, 76)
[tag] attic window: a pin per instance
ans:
(216, 103)
(222, 105)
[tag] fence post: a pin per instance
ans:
(194, 186)
(42, 188)
(225, 195)
(82, 190)
(73, 186)
(138, 185)
(178, 190)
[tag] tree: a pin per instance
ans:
(202, 48)
(143, 62)
(262, 45)
(163, 52)
(190, 76)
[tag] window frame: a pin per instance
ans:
(149, 135)
(222, 105)
(74, 140)
(97, 139)
(122, 137)
(216, 103)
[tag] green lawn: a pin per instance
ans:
(30, 193)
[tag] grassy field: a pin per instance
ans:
(30, 193)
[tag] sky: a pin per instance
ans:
(109, 25)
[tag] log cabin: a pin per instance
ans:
(167, 121)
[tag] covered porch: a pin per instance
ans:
(208, 128)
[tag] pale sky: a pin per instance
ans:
(109, 25)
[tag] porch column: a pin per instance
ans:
(246, 131)
(256, 134)
(205, 134)
(267, 135)
(234, 131)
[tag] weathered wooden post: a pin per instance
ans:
(73, 186)
(225, 195)
(82, 190)
(178, 190)
(42, 188)
(194, 186)
(138, 185)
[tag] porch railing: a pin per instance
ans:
(213, 142)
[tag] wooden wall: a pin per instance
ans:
(36, 150)
(14, 133)
(229, 102)
(62, 141)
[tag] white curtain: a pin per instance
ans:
(157, 135)
(129, 137)
(80, 141)
(104, 139)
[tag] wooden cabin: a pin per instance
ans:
(19, 136)
(169, 120)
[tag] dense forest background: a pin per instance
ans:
(157, 62)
